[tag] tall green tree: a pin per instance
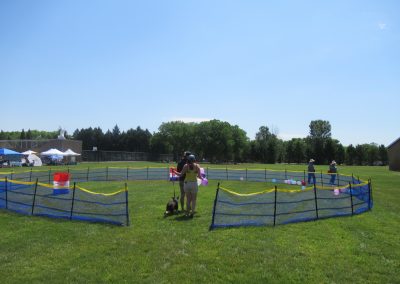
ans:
(383, 155)
(178, 135)
(340, 154)
(320, 129)
(215, 139)
(299, 150)
(350, 155)
(28, 134)
(266, 145)
(320, 133)
(22, 136)
(240, 144)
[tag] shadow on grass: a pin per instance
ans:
(178, 216)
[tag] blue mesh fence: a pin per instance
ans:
(231, 209)
(273, 207)
(75, 203)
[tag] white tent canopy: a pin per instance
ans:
(69, 152)
(29, 152)
(34, 160)
(52, 152)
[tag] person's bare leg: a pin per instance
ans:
(181, 186)
(194, 197)
(188, 202)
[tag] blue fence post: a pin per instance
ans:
(6, 190)
(127, 173)
(246, 174)
(106, 173)
(265, 174)
(276, 193)
(30, 175)
(87, 174)
(72, 202)
(304, 175)
(369, 194)
(34, 197)
(168, 169)
(227, 178)
(351, 199)
(126, 205)
(49, 175)
(322, 180)
(215, 205)
(147, 173)
(316, 202)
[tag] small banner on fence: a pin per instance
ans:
(61, 183)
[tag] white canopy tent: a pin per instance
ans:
(52, 152)
(69, 152)
(71, 156)
(34, 160)
(29, 152)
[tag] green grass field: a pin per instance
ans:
(362, 248)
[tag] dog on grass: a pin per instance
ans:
(172, 206)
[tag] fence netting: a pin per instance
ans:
(74, 203)
(302, 202)
(281, 206)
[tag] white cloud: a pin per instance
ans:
(382, 26)
(190, 119)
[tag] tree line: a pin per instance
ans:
(220, 142)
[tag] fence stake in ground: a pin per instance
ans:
(276, 193)
(34, 197)
(316, 202)
(215, 205)
(87, 174)
(6, 190)
(351, 199)
(322, 180)
(126, 206)
(73, 201)
(30, 175)
(369, 194)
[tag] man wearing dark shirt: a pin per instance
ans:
(179, 168)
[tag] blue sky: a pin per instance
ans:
(281, 64)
